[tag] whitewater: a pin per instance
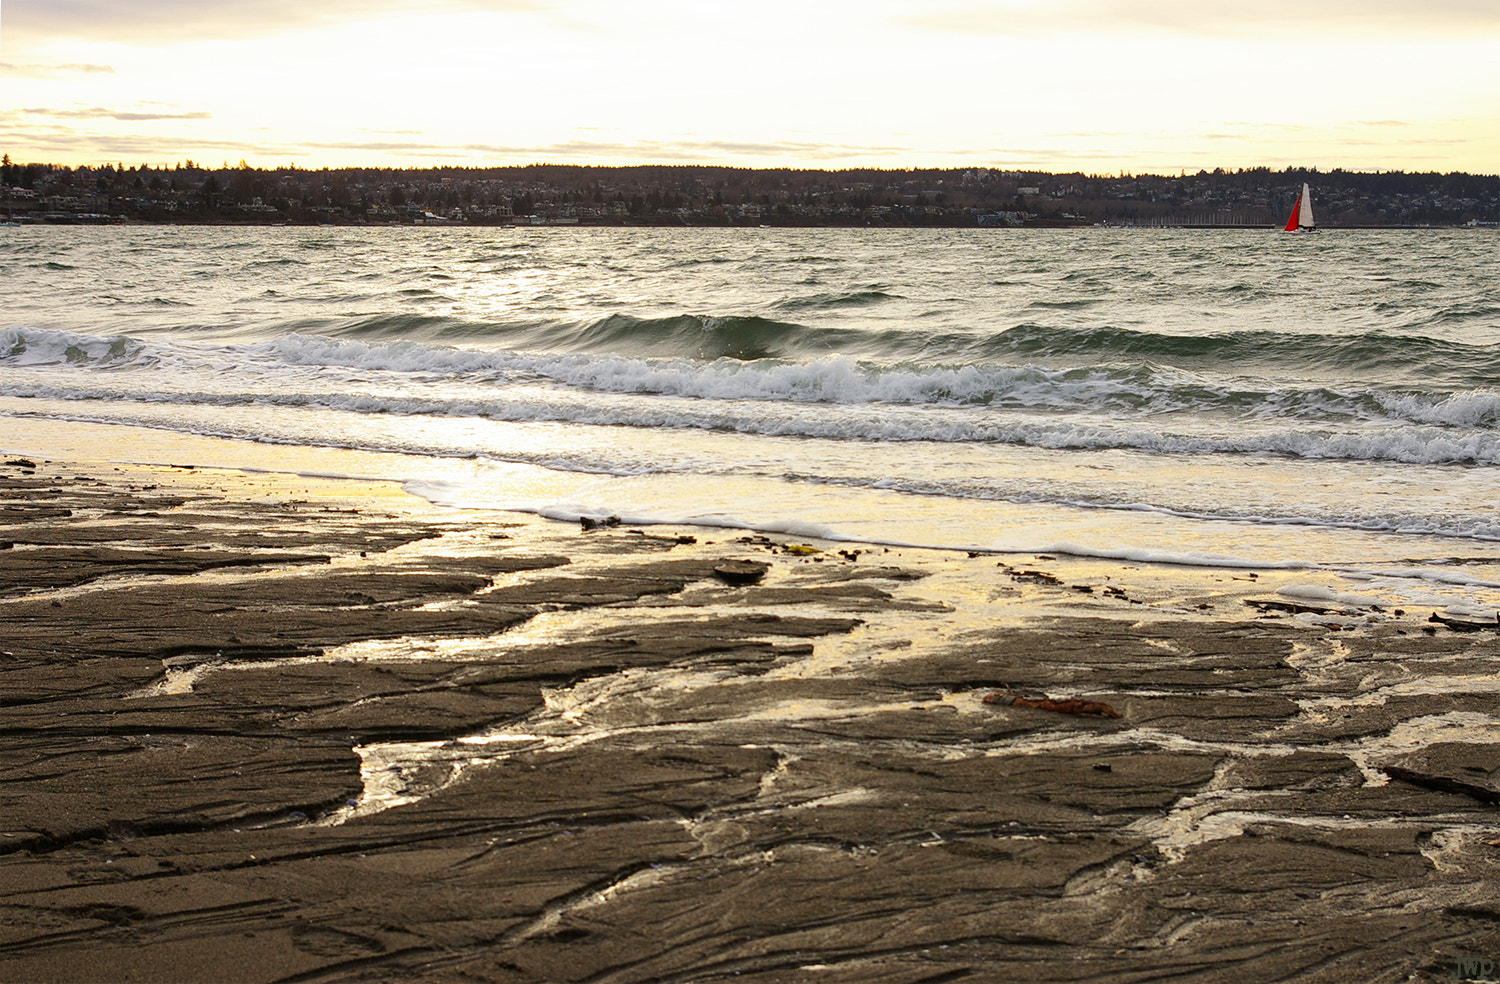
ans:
(1233, 399)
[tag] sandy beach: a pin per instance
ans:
(260, 727)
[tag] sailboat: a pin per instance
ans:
(1301, 219)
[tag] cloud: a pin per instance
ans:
(645, 150)
(1320, 20)
(52, 71)
(101, 113)
(58, 143)
(1362, 17)
(165, 21)
(53, 134)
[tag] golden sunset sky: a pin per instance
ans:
(1093, 85)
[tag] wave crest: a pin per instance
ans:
(39, 347)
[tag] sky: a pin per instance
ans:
(1098, 86)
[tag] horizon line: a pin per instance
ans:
(187, 163)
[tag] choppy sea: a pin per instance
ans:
(1239, 399)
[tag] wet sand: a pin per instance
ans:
(265, 728)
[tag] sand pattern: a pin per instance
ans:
(270, 729)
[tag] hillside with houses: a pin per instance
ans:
(670, 195)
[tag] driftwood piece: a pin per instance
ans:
(676, 541)
(1035, 577)
(1460, 625)
(1289, 607)
(1068, 705)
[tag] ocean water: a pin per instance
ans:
(1231, 399)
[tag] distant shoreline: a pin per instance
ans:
(705, 196)
(111, 220)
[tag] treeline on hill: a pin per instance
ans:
(710, 195)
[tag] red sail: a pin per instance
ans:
(1291, 222)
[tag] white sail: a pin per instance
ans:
(1305, 217)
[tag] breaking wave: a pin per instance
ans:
(1323, 416)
